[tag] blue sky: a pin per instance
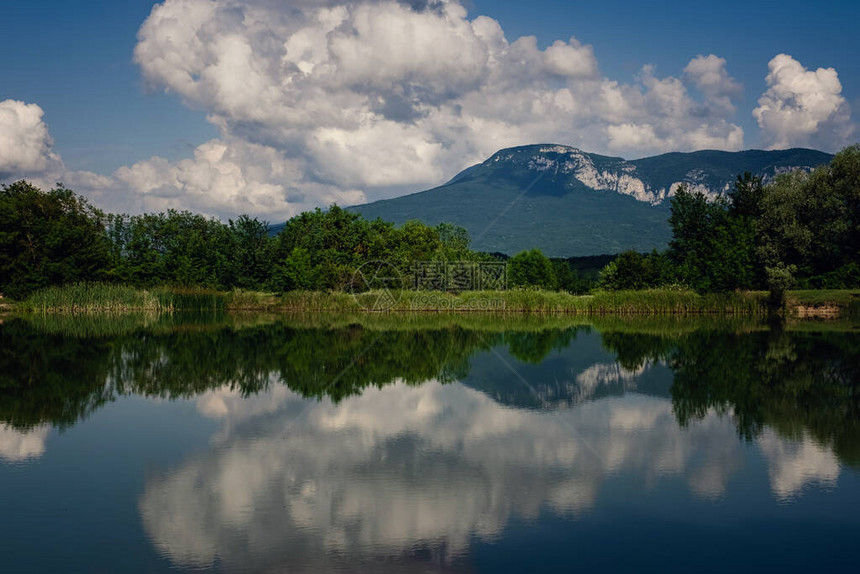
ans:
(628, 35)
(105, 111)
(74, 59)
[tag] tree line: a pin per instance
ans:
(801, 230)
(790, 382)
(57, 237)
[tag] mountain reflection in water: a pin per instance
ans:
(343, 446)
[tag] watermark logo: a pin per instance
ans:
(377, 286)
(459, 276)
(441, 302)
(441, 285)
(450, 286)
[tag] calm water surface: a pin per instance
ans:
(157, 445)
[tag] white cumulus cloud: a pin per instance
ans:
(321, 101)
(26, 151)
(223, 177)
(384, 96)
(25, 144)
(803, 108)
(709, 75)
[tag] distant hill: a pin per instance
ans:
(571, 203)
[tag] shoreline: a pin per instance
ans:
(110, 324)
(109, 299)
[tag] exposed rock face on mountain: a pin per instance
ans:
(570, 203)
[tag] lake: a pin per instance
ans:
(399, 443)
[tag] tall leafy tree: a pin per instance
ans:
(808, 230)
(531, 269)
(746, 197)
(179, 248)
(251, 252)
(633, 270)
(49, 238)
(335, 243)
(454, 242)
(712, 248)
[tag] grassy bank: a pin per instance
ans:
(93, 298)
(652, 302)
(528, 301)
(99, 325)
(108, 298)
(824, 304)
(102, 298)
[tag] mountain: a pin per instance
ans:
(572, 203)
(563, 369)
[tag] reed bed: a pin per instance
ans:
(81, 298)
(95, 298)
(647, 302)
(106, 298)
(650, 302)
(242, 300)
(673, 302)
(100, 325)
(197, 300)
(320, 301)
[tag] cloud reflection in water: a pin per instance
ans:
(432, 466)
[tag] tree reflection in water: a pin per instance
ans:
(349, 442)
(795, 383)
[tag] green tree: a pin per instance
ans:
(844, 175)
(746, 197)
(335, 242)
(569, 279)
(808, 230)
(712, 249)
(633, 270)
(296, 272)
(49, 238)
(414, 242)
(175, 248)
(251, 252)
(455, 242)
(531, 269)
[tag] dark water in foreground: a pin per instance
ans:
(292, 447)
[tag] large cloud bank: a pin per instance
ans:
(321, 101)
(399, 95)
